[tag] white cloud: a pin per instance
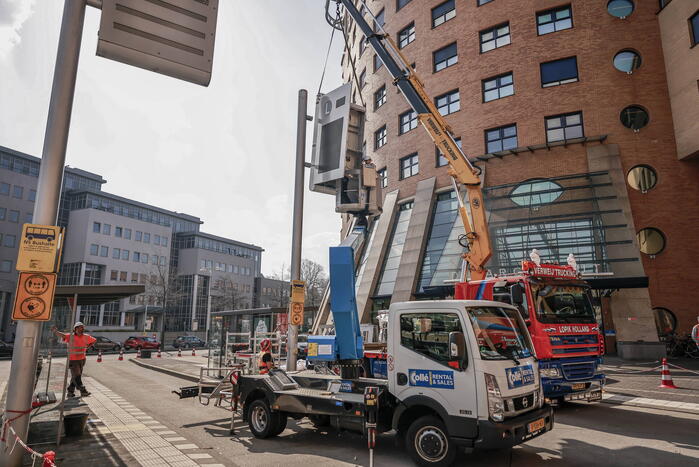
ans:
(13, 14)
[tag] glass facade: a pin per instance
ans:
(442, 258)
(389, 271)
(577, 214)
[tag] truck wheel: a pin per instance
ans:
(281, 424)
(319, 421)
(262, 421)
(428, 442)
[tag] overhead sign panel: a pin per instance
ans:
(172, 37)
(34, 296)
(39, 248)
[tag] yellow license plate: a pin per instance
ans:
(535, 425)
(578, 386)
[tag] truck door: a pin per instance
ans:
(422, 366)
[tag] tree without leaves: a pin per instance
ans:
(226, 295)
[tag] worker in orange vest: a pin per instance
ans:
(78, 342)
(265, 360)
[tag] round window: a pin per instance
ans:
(627, 61)
(634, 117)
(620, 8)
(651, 241)
(536, 192)
(665, 321)
(642, 178)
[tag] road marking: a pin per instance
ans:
(186, 446)
(614, 389)
(686, 407)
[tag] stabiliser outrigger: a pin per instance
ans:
(447, 384)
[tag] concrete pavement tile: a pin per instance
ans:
(156, 426)
(151, 422)
(165, 432)
(199, 456)
(175, 438)
(186, 446)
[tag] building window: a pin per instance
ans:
(383, 177)
(495, 37)
(380, 137)
(536, 193)
(32, 195)
(156, 240)
(144, 258)
(14, 216)
(501, 138)
(380, 97)
(380, 20)
(401, 3)
(407, 121)
(564, 127)
(362, 45)
(146, 237)
(116, 253)
(441, 159)
(651, 241)
(10, 240)
(107, 229)
(627, 61)
(18, 192)
(559, 72)
(389, 269)
(104, 251)
(127, 234)
(634, 117)
(443, 13)
(483, 2)
(125, 255)
(122, 276)
(377, 63)
(6, 265)
(94, 249)
(3, 213)
(28, 216)
(498, 87)
(620, 8)
(554, 20)
(406, 35)
(665, 321)
(362, 79)
(694, 27)
(136, 257)
(4, 189)
(113, 275)
(118, 232)
(448, 103)
(409, 166)
(96, 227)
(163, 241)
(139, 236)
(642, 178)
(445, 57)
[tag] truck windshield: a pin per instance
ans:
(559, 304)
(500, 333)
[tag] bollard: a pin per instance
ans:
(179, 351)
(121, 354)
(194, 351)
(159, 356)
(138, 353)
(99, 356)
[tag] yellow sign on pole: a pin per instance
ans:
(298, 291)
(34, 296)
(39, 248)
(296, 314)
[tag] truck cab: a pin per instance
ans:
(555, 304)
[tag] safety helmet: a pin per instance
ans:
(265, 345)
(78, 324)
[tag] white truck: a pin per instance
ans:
(461, 373)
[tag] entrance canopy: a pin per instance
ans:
(98, 294)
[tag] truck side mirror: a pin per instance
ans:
(517, 294)
(457, 349)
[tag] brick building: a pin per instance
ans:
(582, 115)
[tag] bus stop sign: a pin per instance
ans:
(172, 37)
(39, 248)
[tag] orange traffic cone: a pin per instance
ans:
(194, 352)
(138, 353)
(159, 356)
(179, 351)
(665, 378)
(99, 357)
(121, 354)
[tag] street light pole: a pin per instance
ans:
(302, 118)
(20, 386)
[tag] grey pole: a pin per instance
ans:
(20, 386)
(302, 118)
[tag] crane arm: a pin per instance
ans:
(460, 168)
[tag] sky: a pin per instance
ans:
(224, 153)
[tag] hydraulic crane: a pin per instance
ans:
(476, 239)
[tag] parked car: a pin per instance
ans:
(104, 343)
(5, 350)
(187, 342)
(139, 342)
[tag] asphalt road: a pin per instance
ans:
(584, 435)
